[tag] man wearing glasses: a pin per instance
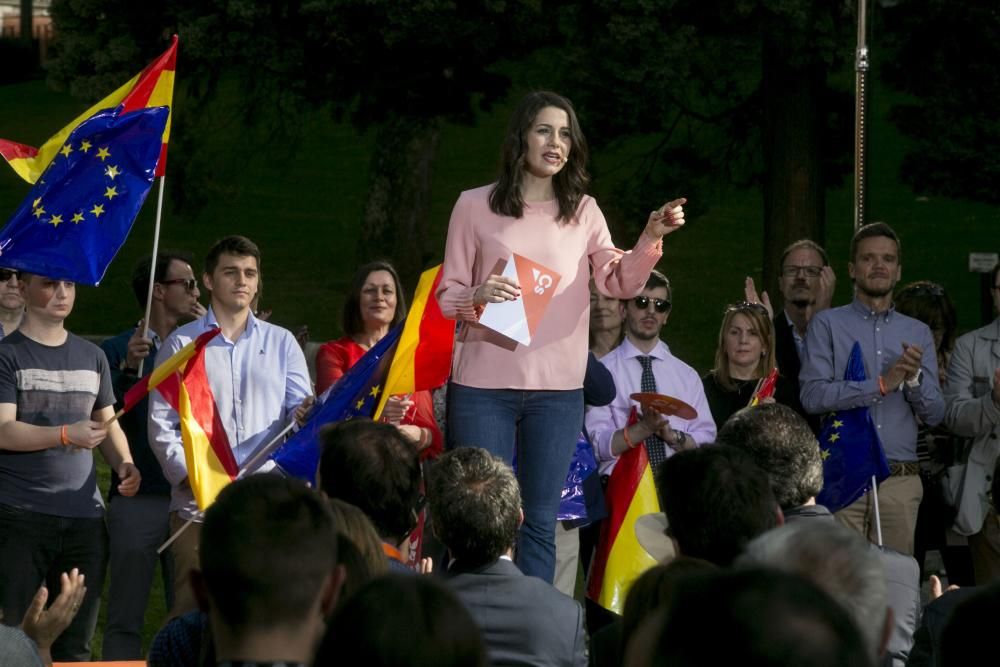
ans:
(11, 302)
(137, 526)
(972, 395)
(643, 363)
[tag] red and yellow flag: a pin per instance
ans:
(620, 559)
(165, 370)
(423, 355)
(152, 87)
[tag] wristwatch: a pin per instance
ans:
(915, 381)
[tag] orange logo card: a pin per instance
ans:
(519, 319)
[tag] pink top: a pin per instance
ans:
(480, 242)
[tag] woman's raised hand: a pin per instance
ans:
(666, 219)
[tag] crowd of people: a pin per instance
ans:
(430, 537)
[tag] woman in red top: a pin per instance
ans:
(375, 304)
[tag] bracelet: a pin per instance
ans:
(628, 441)
(64, 437)
(425, 438)
(881, 386)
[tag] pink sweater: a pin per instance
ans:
(479, 243)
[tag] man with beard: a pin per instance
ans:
(643, 363)
(901, 385)
(11, 302)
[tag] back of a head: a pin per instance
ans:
(402, 621)
(716, 500)
(267, 546)
(780, 441)
(654, 588)
(965, 639)
(752, 618)
(476, 504)
(374, 467)
(359, 549)
(835, 558)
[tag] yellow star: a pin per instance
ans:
(39, 212)
(103, 153)
(110, 193)
(112, 171)
(55, 220)
(834, 437)
(825, 454)
(84, 146)
(66, 150)
(360, 404)
(375, 391)
(97, 210)
(78, 217)
(36, 203)
(838, 423)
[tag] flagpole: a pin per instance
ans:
(152, 268)
(878, 517)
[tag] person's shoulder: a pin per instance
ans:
(989, 332)
(118, 341)
(82, 345)
(277, 332)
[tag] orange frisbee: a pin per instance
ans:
(665, 405)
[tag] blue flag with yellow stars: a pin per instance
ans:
(355, 394)
(851, 450)
(78, 214)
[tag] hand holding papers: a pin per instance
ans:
(519, 319)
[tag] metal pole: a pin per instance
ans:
(860, 116)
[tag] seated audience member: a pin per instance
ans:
(751, 617)
(31, 644)
(716, 500)
(966, 638)
(743, 357)
(476, 503)
(837, 560)
(402, 621)
(374, 467)
(359, 549)
(780, 441)
(268, 574)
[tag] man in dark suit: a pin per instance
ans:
(476, 503)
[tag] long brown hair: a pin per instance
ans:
(570, 184)
(757, 315)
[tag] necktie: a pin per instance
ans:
(655, 446)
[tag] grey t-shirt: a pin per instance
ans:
(52, 386)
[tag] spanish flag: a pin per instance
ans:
(423, 356)
(165, 370)
(620, 559)
(152, 87)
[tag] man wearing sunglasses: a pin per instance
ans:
(11, 302)
(137, 526)
(643, 363)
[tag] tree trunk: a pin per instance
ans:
(791, 132)
(394, 224)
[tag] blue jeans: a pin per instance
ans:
(541, 427)
(36, 548)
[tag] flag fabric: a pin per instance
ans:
(355, 394)
(152, 87)
(165, 370)
(620, 559)
(207, 453)
(851, 450)
(78, 215)
(765, 388)
(423, 356)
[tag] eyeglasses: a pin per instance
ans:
(189, 283)
(922, 290)
(746, 305)
(7, 274)
(792, 271)
(642, 303)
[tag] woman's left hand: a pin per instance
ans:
(395, 409)
(666, 219)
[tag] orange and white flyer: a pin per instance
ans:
(519, 319)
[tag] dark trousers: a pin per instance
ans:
(37, 548)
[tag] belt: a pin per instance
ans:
(903, 468)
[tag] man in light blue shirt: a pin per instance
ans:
(901, 388)
(258, 377)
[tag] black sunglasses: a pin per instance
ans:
(746, 305)
(189, 283)
(7, 274)
(642, 303)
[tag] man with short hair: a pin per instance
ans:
(55, 402)
(268, 574)
(374, 467)
(137, 526)
(972, 393)
(11, 302)
(476, 504)
(643, 363)
(901, 386)
(257, 375)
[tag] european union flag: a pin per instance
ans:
(80, 211)
(851, 450)
(355, 394)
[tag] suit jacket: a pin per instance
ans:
(524, 620)
(789, 365)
